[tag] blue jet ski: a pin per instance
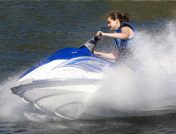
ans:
(62, 83)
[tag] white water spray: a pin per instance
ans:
(147, 80)
(11, 105)
(13, 108)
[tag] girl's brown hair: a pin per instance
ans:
(118, 15)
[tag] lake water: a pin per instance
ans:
(32, 29)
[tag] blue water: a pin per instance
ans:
(31, 30)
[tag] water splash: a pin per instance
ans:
(147, 80)
(11, 105)
(14, 109)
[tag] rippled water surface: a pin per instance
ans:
(31, 30)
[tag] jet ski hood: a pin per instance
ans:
(69, 63)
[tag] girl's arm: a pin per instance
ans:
(126, 33)
(112, 56)
(116, 35)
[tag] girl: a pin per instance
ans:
(123, 32)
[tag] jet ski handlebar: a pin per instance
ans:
(96, 38)
(91, 44)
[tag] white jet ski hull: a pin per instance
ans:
(61, 98)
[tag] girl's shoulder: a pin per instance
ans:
(127, 24)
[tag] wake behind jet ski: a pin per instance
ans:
(63, 82)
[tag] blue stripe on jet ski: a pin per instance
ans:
(89, 63)
(66, 53)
